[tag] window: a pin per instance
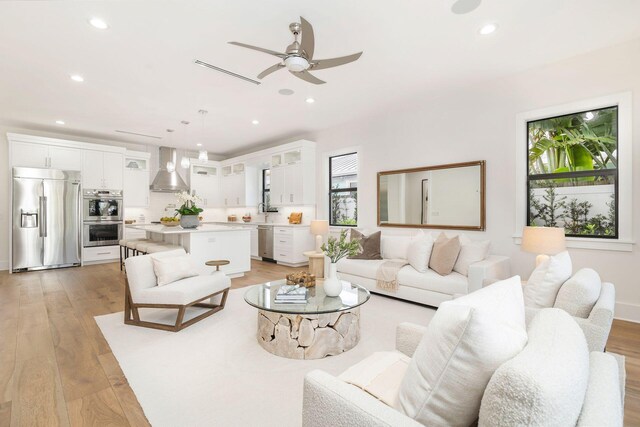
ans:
(572, 173)
(266, 191)
(343, 190)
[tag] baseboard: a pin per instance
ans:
(4, 265)
(628, 312)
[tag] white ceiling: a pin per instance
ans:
(139, 74)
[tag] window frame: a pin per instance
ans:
(576, 174)
(624, 242)
(267, 208)
(341, 190)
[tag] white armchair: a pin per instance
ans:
(142, 291)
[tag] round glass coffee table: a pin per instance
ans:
(319, 327)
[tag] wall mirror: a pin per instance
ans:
(444, 196)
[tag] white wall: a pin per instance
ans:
(478, 123)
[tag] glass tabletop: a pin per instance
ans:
(317, 302)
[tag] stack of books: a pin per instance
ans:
(291, 294)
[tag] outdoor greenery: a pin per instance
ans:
(336, 249)
(340, 208)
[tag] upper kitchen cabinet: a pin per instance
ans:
(239, 183)
(28, 154)
(102, 169)
(205, 182)
(136, 179)
(293, 177)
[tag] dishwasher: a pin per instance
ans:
(265, 242)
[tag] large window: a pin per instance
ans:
(572, 178)
(343, 193)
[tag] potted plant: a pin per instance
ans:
(188, 211)
(336, 249)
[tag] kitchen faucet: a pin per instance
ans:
(264, 211)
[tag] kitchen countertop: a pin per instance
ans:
(270, 224)
(161, 229)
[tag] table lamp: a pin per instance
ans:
(319, 228)
(543, 241)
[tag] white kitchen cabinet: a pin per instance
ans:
(293, 185)
(254, 242)
(290, 243)
(277, 189)
(239, 186)
(102, 170)
(136, 179)
(205, 182)
(27, 154)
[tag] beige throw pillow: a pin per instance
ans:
(169, 270)
(444, 254)
(369, 245)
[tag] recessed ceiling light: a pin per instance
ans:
(310, 100)
(77, 78)
(286, 92)
(59, 122)
(488, 29)
(98, 23)
(255, 122)
(199, 145)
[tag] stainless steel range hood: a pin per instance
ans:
(165, 181)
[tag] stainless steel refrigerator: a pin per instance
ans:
(46, 219)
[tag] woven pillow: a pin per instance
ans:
(169, 270)
(579, 294)
(470, 253)
(444, 254)
(544, 283)
(369, 245)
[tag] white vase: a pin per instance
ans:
(332, 285)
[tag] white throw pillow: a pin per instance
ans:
(169, 270)
(579, 294)
(545, 281)
(465, 342)
(545, 384)
(419, 253)
(470, 252)
(395, 247)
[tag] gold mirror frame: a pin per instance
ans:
(482, 225)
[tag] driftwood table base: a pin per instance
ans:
(308, 336)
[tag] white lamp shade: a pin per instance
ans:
(543, 240)
(319, 227)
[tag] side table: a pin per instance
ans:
(316, 263)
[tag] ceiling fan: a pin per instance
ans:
(298, 57)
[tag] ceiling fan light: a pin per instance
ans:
(184, 162)
(296, 63)
(203, 155)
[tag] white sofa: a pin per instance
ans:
(428, 288)
(329, 400)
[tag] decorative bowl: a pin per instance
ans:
(170, 223)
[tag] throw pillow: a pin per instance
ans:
(419, 253)
(545, 384)
(470, 253)
(169, 270)
(545, 281)
(444, 254)
(579, 294)
(369, 245)
(465, 342)
(395, 247)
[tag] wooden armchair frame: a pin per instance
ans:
(132, 315)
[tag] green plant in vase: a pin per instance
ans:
(189, 212)
(335, 250)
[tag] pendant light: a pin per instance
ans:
(184, 162)
(202, 154)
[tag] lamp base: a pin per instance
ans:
(319, 243)
(541, 258)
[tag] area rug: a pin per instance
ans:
(215, 373)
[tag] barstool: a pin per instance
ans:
(144, 247)
(125, 249)
(162, 248)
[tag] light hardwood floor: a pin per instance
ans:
(57, 369)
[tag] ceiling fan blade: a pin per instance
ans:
(321, 64)
(308, 41)
(260, 49)
(308, 77)
(270, 70)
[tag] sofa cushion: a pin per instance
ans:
(369, 245)
(545, 281)
(465, 342)
(172, 269)
(419, 252)
(360, 267)
(395, 247)
(444, 254)
(452, 283)
(546, 383)
(579, 294)
(183, 291)
(470, 252)
(140, 274)
(602, 403)
(380, 375)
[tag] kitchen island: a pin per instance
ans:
(207, 242)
